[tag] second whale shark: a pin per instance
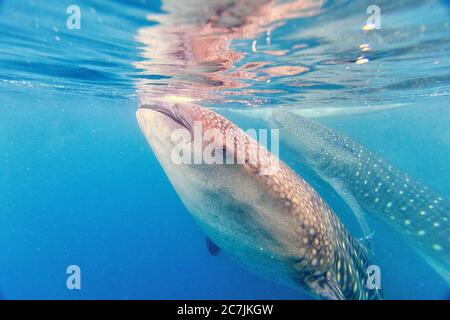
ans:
(369, 184)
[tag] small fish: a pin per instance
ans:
(272, 222)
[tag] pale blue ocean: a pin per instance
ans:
(79, 184)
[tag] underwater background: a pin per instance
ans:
(80, 186)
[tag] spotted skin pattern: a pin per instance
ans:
(387, 193)
(323, 257)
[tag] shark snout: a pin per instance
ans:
(179, 112)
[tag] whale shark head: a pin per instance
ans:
(189, 134)
(275, 225)
(159, 119)
(231, 202)
(317, 144)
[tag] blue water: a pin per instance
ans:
(80, 186)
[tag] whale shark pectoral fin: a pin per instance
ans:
(366, 240)
(335, 290)
(329, 290)
(213, 249)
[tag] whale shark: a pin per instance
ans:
(271, 222)
(371, 185)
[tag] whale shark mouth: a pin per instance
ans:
(170, 113)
